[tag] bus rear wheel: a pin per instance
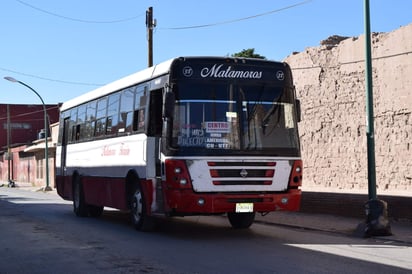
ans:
(79, 205)
(140, 219)
(241, 220)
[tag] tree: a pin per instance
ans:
(248, 53)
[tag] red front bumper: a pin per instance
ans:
(186, 202)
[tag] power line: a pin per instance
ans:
(51, 80)
(127, 19)
(30, 113)
(237, 20)
(79, 20)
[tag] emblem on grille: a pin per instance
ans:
(243, 173)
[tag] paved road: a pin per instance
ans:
(40, 234)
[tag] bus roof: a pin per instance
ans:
(142, 76)
(135, 78)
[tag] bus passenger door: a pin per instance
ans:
(154, 133)
(65, 138)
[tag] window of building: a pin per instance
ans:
(39, 168)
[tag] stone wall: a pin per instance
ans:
(330, 81)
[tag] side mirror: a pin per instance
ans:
(169, 100)
(298, 110)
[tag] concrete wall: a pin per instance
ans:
(330, 81)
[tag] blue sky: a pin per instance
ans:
(65, 48)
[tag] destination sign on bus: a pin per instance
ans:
(229, 71)
(219, 71)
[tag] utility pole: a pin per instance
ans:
(370, 138)
(377, 213)
(150, 25)
(9, 177)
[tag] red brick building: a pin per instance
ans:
(21, 160)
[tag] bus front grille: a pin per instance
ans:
(242, 173)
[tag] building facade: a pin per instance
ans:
(22, 143)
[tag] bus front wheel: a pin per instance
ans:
(241, 220)
(95, 211)
(140, 219)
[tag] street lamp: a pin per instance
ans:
(46, 156)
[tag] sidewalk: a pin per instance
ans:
(401, 230)
(344, 213)
(327, 212)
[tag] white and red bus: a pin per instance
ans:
(190, 136)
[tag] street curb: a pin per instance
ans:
(353, 205)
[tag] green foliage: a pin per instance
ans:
(248, 53)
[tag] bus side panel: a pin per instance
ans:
(111, 192)
(105, 191)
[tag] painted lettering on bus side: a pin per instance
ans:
(107, 151)
(124, 150)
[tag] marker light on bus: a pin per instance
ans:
(201, 201)
(296, 176)
(177, 175)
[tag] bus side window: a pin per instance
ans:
(90, 120)
(80, 124)
(100, 126)
(77, 130)
(140, 109)
(138, 119)
(113, 107)
(126, 110)
(72, 128)
(109, 125)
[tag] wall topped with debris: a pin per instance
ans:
(330, 81)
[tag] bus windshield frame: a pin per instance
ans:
(234, 117)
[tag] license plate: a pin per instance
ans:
(244, 207)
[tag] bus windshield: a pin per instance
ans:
(246, 117)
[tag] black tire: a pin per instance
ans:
(241, 220)
(140, 219)
(95, 211)
(80, 207)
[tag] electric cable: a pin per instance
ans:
(237, 20)
(51, 80)
(80, 20)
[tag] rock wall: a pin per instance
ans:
(330, 81)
